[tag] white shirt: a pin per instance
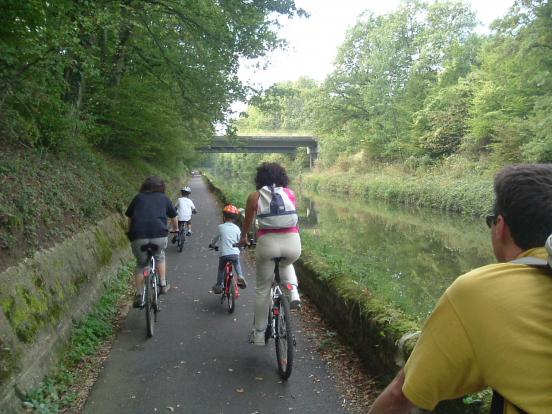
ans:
(184, 207)
(227, 235)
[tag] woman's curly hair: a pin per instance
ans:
(153, 184)
(269, 173)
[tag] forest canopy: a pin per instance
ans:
(420, 85)
(135, 78)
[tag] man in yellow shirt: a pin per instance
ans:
(493, 325)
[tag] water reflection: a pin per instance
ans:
(408, 256)
(308, 214)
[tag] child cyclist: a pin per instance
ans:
(185, 208)
(228, 234)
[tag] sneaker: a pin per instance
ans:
(173, 240)
(242, 284)
(216, 289)
(164, 289)
(294, 299)
(189, 233)
(257, 337)
(137, 303)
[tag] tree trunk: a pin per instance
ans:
(124, 37)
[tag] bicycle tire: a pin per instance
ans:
(231, 295)
(150, 311)
(155, 285)
(181, 238)
(283, 338)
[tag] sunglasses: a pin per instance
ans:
(490, 220)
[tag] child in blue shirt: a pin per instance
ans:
(228, 234)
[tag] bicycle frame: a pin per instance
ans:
(229, 274)
(148, 270)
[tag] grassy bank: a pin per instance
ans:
(63, 388)
(456, 185)
(46, 197)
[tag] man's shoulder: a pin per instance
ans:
(490, 283)
(476, 278)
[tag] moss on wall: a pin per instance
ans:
(41, 296)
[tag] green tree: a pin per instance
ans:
(512, 105)
(385, 70)
(75, 69)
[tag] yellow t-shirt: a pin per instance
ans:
(491, 328)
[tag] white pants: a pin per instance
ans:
(269, 246)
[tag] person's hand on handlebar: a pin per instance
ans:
(243, 241)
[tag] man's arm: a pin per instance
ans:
(392, 400)
(174, 222)
(215, 239)
(250, 211)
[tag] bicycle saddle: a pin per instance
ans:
(277, 259)
(149, 247)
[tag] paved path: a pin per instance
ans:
(199, 360)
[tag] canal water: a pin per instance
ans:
(407, 256)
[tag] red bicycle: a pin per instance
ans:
(231, 291)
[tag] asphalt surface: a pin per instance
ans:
(199, 360)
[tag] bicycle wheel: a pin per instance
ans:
(155, 297)
(149, 305)
(231, 295)
(180, 238)
(283, 338)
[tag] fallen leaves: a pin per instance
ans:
(357, 388)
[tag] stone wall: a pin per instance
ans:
(42, 296)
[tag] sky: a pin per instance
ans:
(313, 41)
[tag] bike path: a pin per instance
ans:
(199, 360)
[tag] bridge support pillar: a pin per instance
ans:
(312, 151)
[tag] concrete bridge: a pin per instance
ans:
(263, 144)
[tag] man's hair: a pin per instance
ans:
(524, 198)
(269, 173)
(153, 184)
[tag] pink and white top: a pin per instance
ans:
(294, 229)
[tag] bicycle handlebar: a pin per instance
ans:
(238, 245)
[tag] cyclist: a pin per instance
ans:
(492, 327)
(147, 220)
(228, 234)
(276, 238)
(185, 208)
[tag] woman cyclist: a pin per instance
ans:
(273, 240)
(147, 220)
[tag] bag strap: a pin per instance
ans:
(497, 405)
(533, 262)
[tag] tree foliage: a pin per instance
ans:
(419, 83)
(137, 77)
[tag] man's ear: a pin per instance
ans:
(502, 229)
